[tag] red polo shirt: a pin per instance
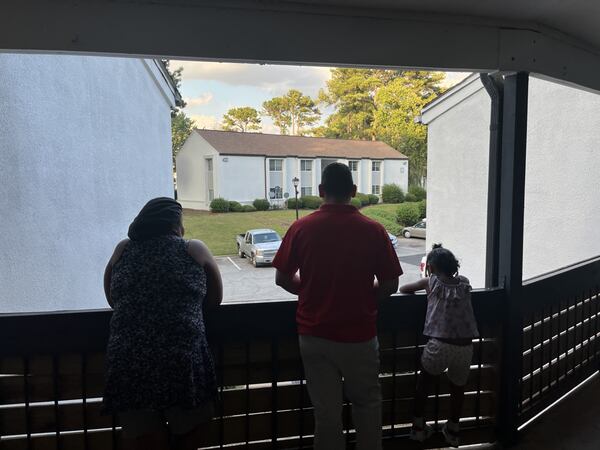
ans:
(339, 252)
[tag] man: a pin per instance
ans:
(338, 253)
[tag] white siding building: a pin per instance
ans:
(563, 163)
(247, 166)
(84, 143)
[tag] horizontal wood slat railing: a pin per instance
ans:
(52, 365)
(561, 331)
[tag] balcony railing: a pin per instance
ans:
(51, 378)
(52, 365)
(560, 334)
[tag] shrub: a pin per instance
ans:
(356, 202)
(291, 203)
(312, 201)
(261, 204)
(364, 198)
(235, 206)
(407, 214)
(219, 205)
(422, 209)
(248, 208)
(410, 198)
(373, 199)
(418, 192)
(392, 193)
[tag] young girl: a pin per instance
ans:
(450, 327)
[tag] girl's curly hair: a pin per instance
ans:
(443, 260)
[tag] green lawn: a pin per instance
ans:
(218, 231)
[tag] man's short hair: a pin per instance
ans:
(337, 180)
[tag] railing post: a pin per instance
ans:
(510, 251)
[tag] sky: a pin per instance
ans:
(211, 88)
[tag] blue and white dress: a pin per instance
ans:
(157, 354)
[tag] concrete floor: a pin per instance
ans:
(244, 283)
(573, 424)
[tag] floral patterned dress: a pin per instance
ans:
(157, 354)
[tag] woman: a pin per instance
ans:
(159, 366)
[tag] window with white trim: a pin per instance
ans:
(304, 191)
(275, 165)
(375, 189)
(306, 165)
(353, 165)
(376, 166)
(276, 178)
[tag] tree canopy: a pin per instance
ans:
(382, 105)
(292, 112)
(242, 119)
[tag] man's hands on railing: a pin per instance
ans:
(385, 288)
(290, 283)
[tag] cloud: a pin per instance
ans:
(453, 78)
(203, 99)
(275, 79)
(205, 122)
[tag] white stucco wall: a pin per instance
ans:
(457, 171)
(365, 176)
(396, 172)
(191, 172)
(242, 178)
(84, 143)
(562, 198)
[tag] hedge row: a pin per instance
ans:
(221, 205)
(313, 202)
(392, 193)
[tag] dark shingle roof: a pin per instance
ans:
(259, 144)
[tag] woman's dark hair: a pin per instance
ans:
(443, 260)
(160, 216)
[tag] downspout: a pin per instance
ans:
(494, 85)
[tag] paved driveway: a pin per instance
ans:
(244, 283)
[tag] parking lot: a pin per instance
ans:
(244, 283)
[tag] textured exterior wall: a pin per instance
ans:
(242, 178)
(396, 172)
(562, 198)
(457, 173)
(84, 143)
(191, 172)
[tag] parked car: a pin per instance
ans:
(393, 240)
(259, 245)
(417, 230)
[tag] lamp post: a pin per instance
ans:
(295, 182)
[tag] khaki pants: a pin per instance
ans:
(333, 368)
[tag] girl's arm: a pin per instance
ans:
(411, 288)
(214, 283)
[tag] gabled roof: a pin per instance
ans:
(453, 96)
(259, 144)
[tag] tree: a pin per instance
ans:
(382, 105)
(181, 128)
(398, 105)
(241, 119)
(352, 93)
(181, 125)
(292, 112)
